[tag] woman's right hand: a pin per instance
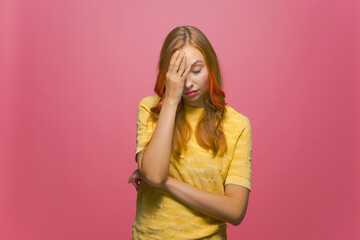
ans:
(175, 78)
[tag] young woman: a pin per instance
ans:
(192, 150)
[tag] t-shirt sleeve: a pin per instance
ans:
(144, 126)
(240, 167)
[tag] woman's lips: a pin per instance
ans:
(192, 93)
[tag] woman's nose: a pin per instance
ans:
(188, 83)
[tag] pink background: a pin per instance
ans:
(73, 72)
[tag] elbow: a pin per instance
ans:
(153, 179)
(236, 222)
(156, 181)
(238, 219)
(151, 176)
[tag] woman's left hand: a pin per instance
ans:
(135, 178)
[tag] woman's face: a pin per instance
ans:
(197, 79)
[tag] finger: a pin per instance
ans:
(186, 72)
(177, 63)
(136, 186)
(138, 175)
(182, 65)
(172, 61)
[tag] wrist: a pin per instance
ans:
(170, 103)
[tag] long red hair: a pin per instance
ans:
(209, 134)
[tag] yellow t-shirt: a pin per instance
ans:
(159, 215)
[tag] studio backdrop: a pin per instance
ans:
(72, 74)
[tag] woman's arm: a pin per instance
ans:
(154, 160)
(230, 207)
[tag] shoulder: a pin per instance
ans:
(236, 118)
(149, 101)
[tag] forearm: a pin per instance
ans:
(218, 206)
(156, 158)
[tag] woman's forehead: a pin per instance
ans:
(192, 53)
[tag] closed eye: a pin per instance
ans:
(197, 72)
